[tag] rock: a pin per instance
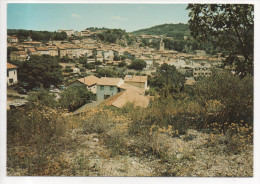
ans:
(95, 139)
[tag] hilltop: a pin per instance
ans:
(171, 30)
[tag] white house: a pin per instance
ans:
(11, 74)
(76, 70)
(137, 81)
(89, 81)
(107, 87)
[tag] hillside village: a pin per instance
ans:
(87, 47)
(103, 102)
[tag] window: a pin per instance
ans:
(11, 81)
(106, 96)
(111, 88)
(14, 71)
(7, 74)
(101, 87)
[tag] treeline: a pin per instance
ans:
(187, 46)
(114, 36)
(96, 28)
(42, 36)
(169, 30)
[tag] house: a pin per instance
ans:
(42, 50)
(199, 72)
(87, 51)
(199, 60)
(18, 55)
(128, 96)
(11, 74)
(85, 33)
(99, 52)
(53, 50)
(89, 81)
(91, 60)
(33, 43)
(73, 51)
(32, 51)
(68, 32)
(108, 54)
(12, 39)
(107, 87)
(62, 51)
(99, 58)
(138, 81)
(75, 70)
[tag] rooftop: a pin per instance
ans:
(130, 78)
(89, 80)
(11, 66)
(42, 49)
(107, 81)
(128, 96)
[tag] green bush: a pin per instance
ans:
(226, 97)
(74, 97)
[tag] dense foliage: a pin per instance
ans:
(41, 71)
(74, 97)
(107, 72)
(137, 64)
(171, 30)
(227, 97)
(167, 80)
(114, 36)
(229, 26)
(9, 50)
(43, 36)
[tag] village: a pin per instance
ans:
(99, 89)
(85, 46)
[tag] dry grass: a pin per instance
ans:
(156, 141)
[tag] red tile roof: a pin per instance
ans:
(106, 81)
(89, 80)
(141, 79)
(11, 66)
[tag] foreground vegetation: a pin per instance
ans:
(203, 130)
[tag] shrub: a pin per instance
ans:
(226, 97)
(74, 97)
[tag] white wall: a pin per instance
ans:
(12, 74)
(106, 91)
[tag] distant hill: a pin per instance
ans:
(171, 30)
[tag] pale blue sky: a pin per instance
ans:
(129, 17)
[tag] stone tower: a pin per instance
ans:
(161, 48)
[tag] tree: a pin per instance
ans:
(74, 97)
(60, 36)
(41, 71)
(98, 62)
(138, 64)
(65, 59)
(229, 26)
(167, 79)
(122, 64)
(116, 58)
(106, 72)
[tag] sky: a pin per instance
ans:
(130, 17)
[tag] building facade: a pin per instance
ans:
(11, 74)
